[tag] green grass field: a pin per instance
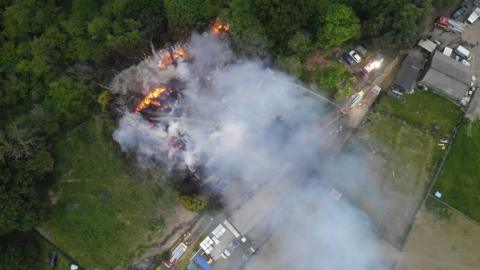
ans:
(459, 181)
(410, 152)
(425, 109)
(103, 217)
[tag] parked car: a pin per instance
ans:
(463, 52)
(348, 58)
(52, 259)
(458, 12)
(355, 55)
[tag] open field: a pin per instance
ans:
(441, 240)
(399, 161)
(459, 181)
(424, 109)
(101, 216)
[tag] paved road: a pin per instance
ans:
(252, 216)
(251, 210)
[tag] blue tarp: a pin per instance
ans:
(192, 266)
(200, 261)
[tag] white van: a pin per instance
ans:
(463, 52)
(474, 16)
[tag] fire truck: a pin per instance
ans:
(450, 24)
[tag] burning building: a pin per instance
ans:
(207, 112)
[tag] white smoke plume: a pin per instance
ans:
(245, 124)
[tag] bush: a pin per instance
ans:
(157, 224)
(336, 81)
(194, 203)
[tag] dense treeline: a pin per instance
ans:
(54, 54)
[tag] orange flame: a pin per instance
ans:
(219, 27)
(149, 99)
(165, 60)
(180, 53)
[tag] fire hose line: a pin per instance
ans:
(316, 94)
(309, 91)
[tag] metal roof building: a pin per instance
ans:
(448, 77)
(427, 45)
(406, 79)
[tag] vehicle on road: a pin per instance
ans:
(374, 63)
(249, 253)
(226, 253)
(352, 101)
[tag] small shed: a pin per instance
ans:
(427, 45)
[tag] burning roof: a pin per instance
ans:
(151, 99)
(172, 56)
(159, 107)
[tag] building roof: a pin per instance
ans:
(448, 76)
(427, 44)
(439, 81)
(407, 75)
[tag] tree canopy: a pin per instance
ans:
(247, 32)
(340, 24)
(393, 23)
(185, 15)
(19, 252)
(53, 56)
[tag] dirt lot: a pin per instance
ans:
(441, 241)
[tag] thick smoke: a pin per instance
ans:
(249, 125)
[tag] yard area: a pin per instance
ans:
(399, 160)
(425, 109)
(102, 217)
(441, 240)
(459, 181)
